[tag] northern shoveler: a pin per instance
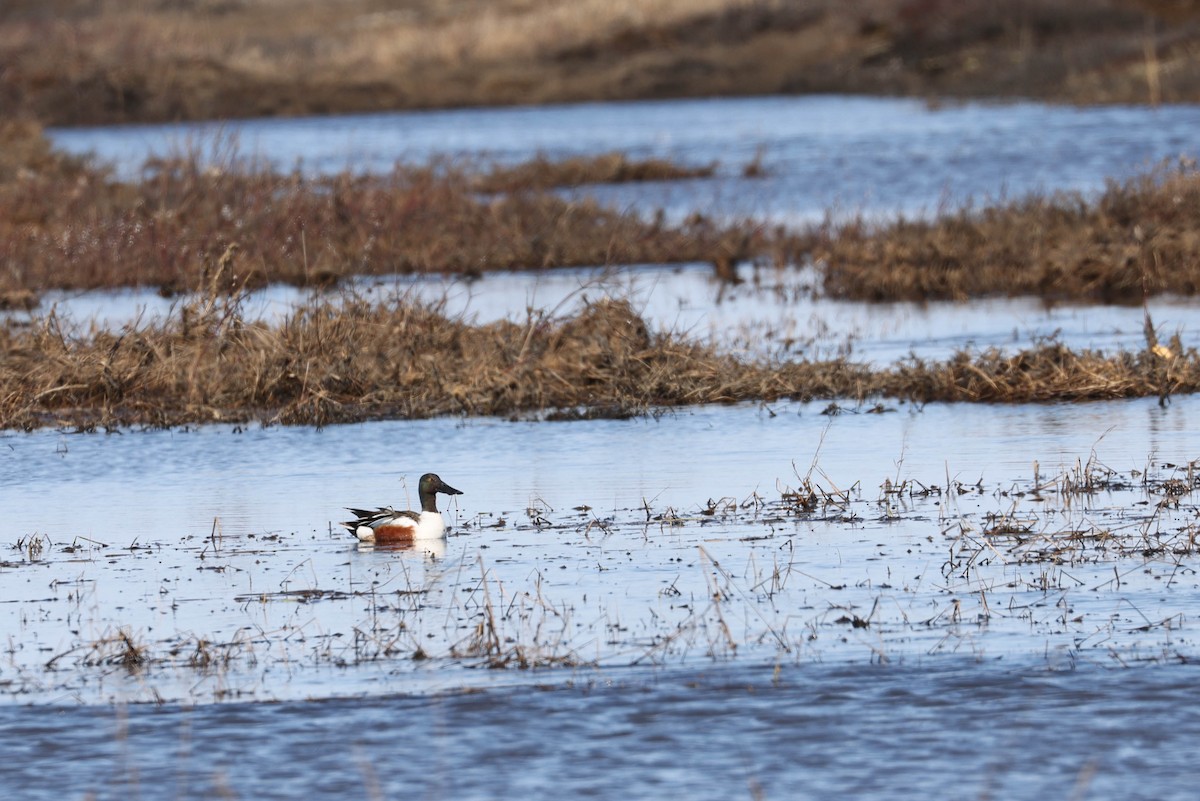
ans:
(386, 525)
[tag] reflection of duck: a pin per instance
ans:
(435, 549)
(387, 526)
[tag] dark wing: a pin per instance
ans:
(364, 514)
(365, 517)
(373, 517)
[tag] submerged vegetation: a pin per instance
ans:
(1029, 567)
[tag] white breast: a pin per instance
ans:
(431, 526)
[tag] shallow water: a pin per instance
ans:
(223, 548)
(773, 314)
(711, 654)
(755, 600)
(822, 154)
(959, 730)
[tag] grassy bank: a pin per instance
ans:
(66, 62)
(1139, 237)
(346, 359)
(68, 224)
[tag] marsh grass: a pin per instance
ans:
(69, 226)
(1139, 237)
(521, 630)
(115, 647)
(343, 358)
(66, 223)
(32, 547)
(212, 232)
(542, 172)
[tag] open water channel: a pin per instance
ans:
(761, 601)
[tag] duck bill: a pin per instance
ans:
(446, 489)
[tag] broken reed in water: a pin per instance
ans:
(347, 359)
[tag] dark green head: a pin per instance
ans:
(429, 487)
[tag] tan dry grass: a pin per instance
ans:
(511, 31)
(25, 152)
(1140, 237)
(1048, 372)
(64, 225)
(149, 60)
(542, 172)
(343, 361)
(347, 359)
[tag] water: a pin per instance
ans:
(965, 731)
(822, 154)
(219, 552)
(965, 601)
(209, 541)
(772, 315)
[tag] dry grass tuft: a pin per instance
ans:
(25, 152)
(114, 648)
(1048, 372)
(345, 359)
(606, 168)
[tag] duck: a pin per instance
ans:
(386, 525)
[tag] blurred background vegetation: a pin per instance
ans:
(69, 62)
